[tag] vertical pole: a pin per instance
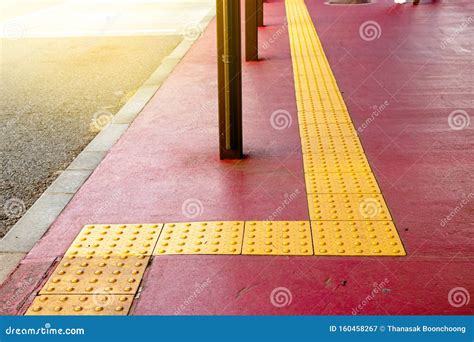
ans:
(260, 12)
(229, 79)
(251, 30)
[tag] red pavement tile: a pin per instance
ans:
(407, 291)
(243, 285)
(233, 285)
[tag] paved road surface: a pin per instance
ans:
(61, 63)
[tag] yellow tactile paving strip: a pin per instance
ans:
(341, 183)
(356, 238)
(118, 240)
(201, 238)
(348, 212)
(347, 207)
(80, 305)
(100, 272)
(278, 238)
(327, 129)
(337, 162)
(331, 144)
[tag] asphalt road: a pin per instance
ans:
(50, 90)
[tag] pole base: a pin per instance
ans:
(231, 154)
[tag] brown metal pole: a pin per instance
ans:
(260, 12)
(229, 79)
(251, 30)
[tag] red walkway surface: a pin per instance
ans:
(424, 168)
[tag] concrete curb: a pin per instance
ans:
(36, 221)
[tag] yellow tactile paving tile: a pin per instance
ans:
(356, 238)
(347, 207)
(97, 275)
(322, 88)
(201, 238)
(341, 183)
(115, 239)
(335, 162)
(322, 116)
(323, 103)
(345, 129)
(98, 304)
(331, 144)
(277, 238)
(104, 259)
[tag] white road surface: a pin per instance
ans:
(82, 18)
